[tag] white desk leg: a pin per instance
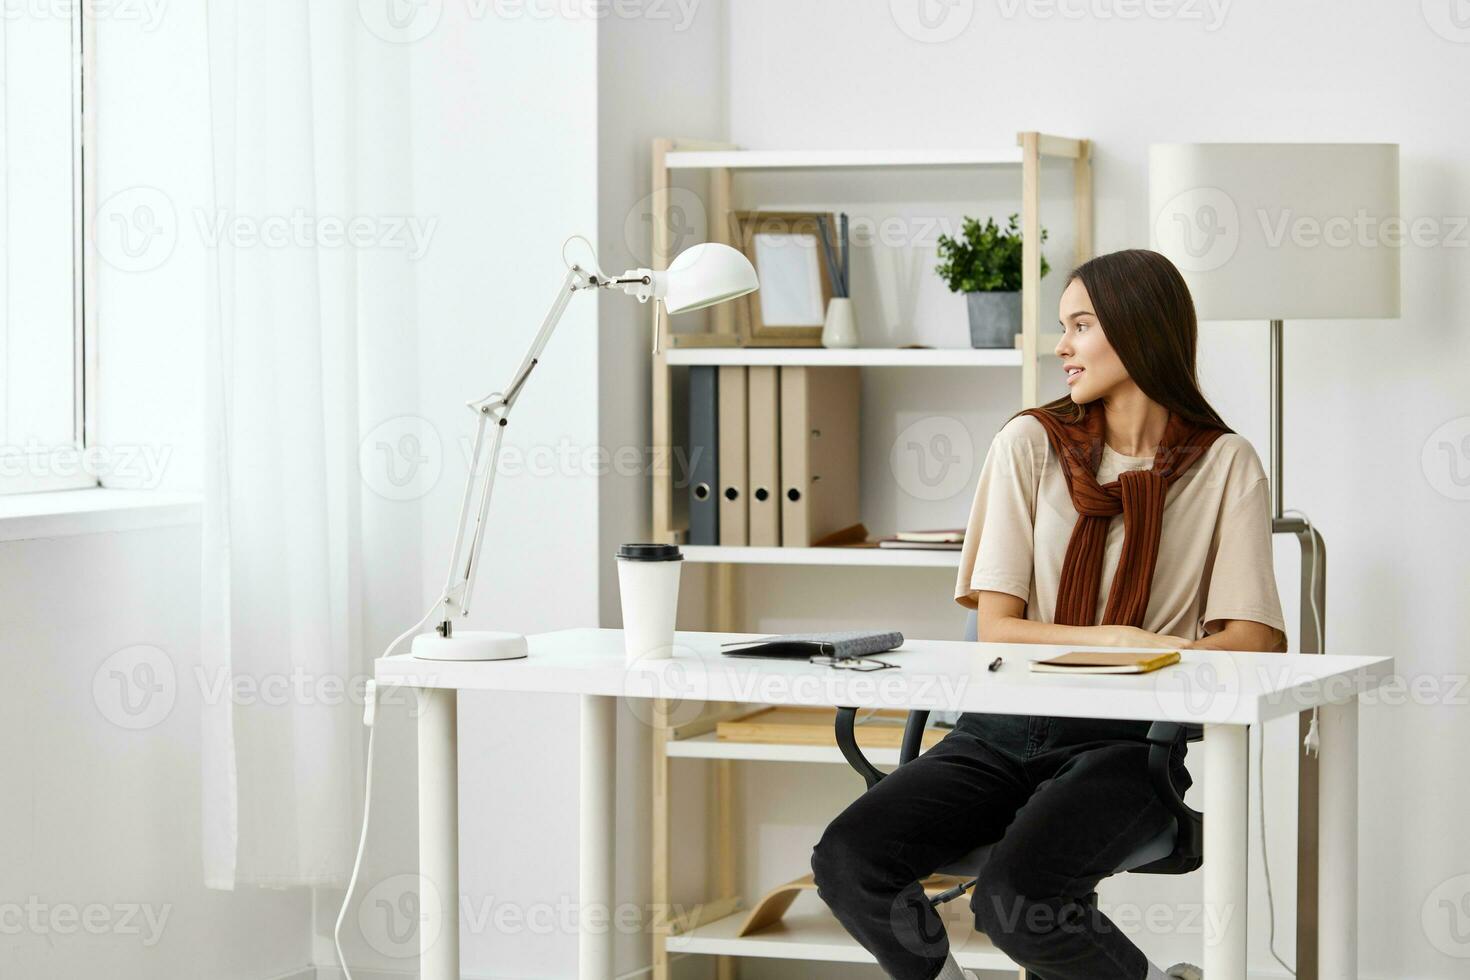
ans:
(1227, 776)
(595, 837)
(1337, 828)
(438, 834)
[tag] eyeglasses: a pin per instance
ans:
(850, 663)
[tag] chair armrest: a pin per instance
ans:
(847, 742)
(1163, 738)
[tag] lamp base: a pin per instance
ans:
(470, 645)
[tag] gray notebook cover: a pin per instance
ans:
(842, 643)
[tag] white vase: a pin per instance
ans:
(840, 328)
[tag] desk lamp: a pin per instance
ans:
(700, 276)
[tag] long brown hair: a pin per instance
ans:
(1148, 317)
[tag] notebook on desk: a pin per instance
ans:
(1106, 662)
(842, 643)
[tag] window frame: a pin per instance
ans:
(67, 468)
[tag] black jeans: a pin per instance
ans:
(982, 783)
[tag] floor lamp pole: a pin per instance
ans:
(1312, 594)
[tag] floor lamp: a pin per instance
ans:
(1276, 232)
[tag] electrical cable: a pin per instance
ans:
(1312, 742)
(369, 718)
(1309, 745)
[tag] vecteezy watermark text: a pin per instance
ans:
(146, 13)
(37, 918)
(406, 232)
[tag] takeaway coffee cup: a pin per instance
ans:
(648, 584)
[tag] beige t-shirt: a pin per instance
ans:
(1214, 559)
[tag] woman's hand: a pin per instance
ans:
(1132, 636)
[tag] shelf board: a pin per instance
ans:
(838, 159)
(814, 936)
(711, 746)
(851, 357)
(876, 557)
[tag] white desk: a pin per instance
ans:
(1224, 692)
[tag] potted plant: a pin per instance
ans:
(985, 265)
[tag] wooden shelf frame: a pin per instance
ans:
(705, 931)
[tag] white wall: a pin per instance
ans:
(528, 129)
(636, 58)
(100, 831)
(1362, 399)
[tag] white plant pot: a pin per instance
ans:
(840, 327)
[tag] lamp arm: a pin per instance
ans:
(464, 558)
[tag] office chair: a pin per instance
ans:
(1178, 850)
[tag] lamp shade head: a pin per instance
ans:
(706, 274)
(1280, 231)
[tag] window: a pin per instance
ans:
(43, 268)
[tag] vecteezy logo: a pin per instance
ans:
(396, 912)
(932, 458)
(932, 21)
(1446, 458)
(135, 688)
(685, 225)
(136, 229)
(1450, 19)
(1199, 227)
(1195, 687)
(401, 458)
(1445, 917)
(666, 692)
(400, 21)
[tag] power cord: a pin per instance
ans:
(369, 718)
(1310, 745)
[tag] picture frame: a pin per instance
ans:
(786, 249)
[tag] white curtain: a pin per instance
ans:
(305, 350)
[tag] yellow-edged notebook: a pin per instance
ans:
(1105, 662)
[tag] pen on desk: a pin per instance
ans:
(995, 664)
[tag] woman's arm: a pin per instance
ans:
(1243, 634)
(1001, 618)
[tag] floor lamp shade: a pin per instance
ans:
(1280, 231)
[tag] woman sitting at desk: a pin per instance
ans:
(1046, 560)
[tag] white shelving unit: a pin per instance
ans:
(710, 746)
(814, 936)
(871, 557)
(802, 934)
(806, 935)
(734, 159)
(853, 357)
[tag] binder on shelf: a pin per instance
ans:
(819, 452)
(763, 478)
(704, 455)
(732, 464)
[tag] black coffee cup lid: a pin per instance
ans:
(650, 552)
